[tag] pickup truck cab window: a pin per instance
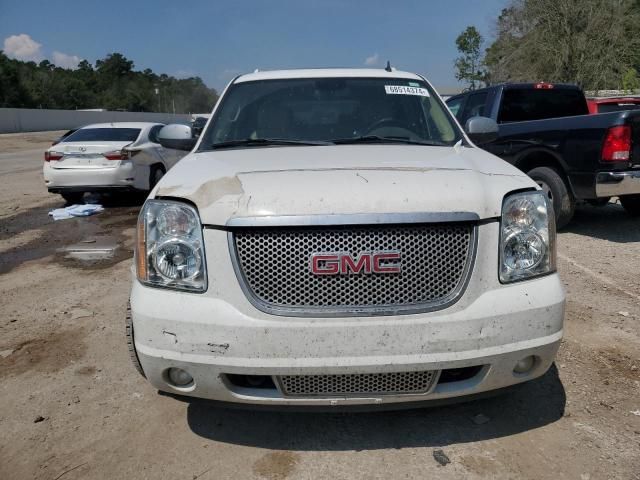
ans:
(618, 107)
(521, 105)
(330, 110)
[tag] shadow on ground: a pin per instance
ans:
(610, 222)
(530, 406)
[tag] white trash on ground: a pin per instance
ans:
(75, 211)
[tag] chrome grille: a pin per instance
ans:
(356, 384)
(273, 265)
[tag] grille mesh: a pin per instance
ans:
(275, 265)
(357, 384)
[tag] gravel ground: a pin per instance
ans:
(72, 406)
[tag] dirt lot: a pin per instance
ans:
(72, 406)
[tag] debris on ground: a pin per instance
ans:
(441, 457)
(75, 211)
(624, 314)
(80, 313)
(94, 249)
(480, 419)
(39, 419)
(636, 412)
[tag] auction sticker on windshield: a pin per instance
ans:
(402, 90)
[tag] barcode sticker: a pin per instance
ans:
(402, 90)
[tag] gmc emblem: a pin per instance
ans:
(341, 263)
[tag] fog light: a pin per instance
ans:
(179, 377)
(525, 365)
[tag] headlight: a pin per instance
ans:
(169, 247)
(527, 237)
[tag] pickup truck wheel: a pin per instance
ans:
(631, 203)
(130, 344)
(553, 185)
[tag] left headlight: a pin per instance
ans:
(527, 237)
(169, 247)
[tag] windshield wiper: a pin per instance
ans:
(379, 139)
(260, 142)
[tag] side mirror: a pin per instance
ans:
(177, 136)
(481, 130)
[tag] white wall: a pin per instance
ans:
(15, 120)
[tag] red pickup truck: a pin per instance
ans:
(613, 104)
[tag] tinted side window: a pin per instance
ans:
(520, 105)
(153, 133)
(454, 105)
(474, 106)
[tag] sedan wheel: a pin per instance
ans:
(72, 197)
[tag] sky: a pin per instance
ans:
(217, 40)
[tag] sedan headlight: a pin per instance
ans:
(169, 247)
(527, 237)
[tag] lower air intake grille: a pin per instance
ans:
(356, 384)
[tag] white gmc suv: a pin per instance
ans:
(335, 238)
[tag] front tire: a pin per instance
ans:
(131, 346)
(72, 197)
(554, 186)
(631, 203)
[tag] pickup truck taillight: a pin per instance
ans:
(617, 144)
(48, 156)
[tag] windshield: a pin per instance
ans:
(104, 135)
(328, 110)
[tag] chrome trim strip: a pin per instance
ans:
(351, 219)
(612, 184)
(365, 311)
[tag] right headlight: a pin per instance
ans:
(170, 247)
(527, 237)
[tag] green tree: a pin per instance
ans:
(588, 42)
(468, 65)
(112, 84)
(630, 80)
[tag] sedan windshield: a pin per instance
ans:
(322, 111)
(104, 135)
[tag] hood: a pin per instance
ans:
(341, 179)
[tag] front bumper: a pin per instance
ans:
(615, 184)
(211, 339)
